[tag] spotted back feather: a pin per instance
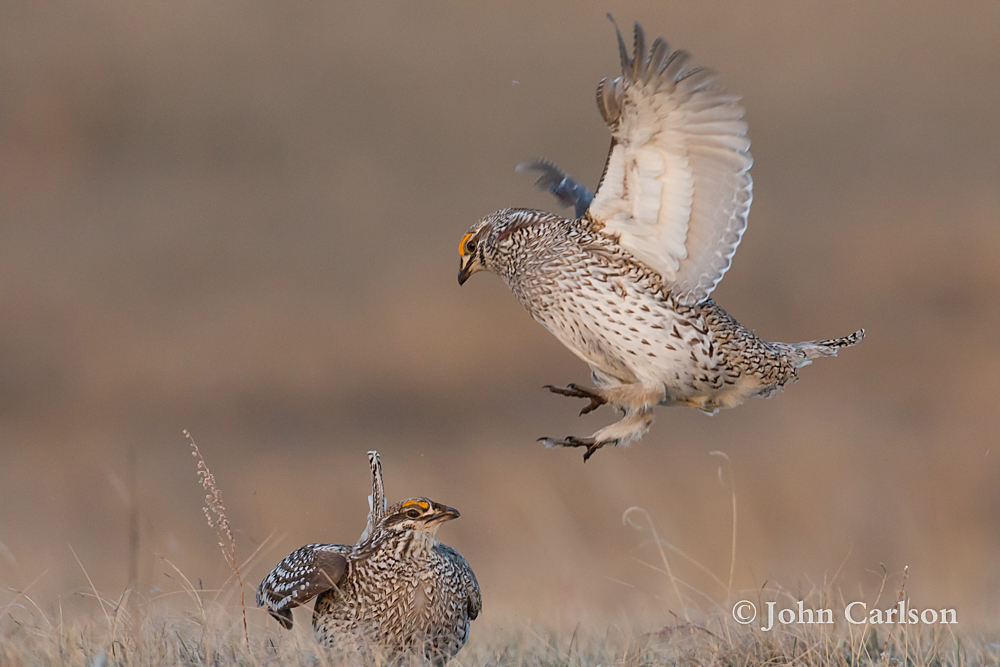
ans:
(301, 576)
(399, 588)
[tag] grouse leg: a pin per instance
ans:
(629, 428)
(572, 441)
(576, 391)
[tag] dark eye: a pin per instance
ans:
(413, 514)
(470, 247)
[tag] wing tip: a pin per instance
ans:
(640, 59)
(634, 66)
(626, 61)
(283, 616)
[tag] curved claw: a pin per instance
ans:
(572, 441)
(576, 391)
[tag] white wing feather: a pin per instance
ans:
(676, 189)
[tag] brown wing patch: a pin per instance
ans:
(329, 571)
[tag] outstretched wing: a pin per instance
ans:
(377, 502)
(676, 188)
(301, 576)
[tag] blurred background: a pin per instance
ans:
(242, 219)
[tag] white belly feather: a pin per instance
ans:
(630, 334)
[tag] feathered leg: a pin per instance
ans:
(576, 391)
(635, 400)
(629, 428)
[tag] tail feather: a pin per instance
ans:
(804, 353)
(555, 180)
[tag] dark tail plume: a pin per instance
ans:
(803, 353)
(553, 179)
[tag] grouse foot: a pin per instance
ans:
(591, 444)
(576, 391)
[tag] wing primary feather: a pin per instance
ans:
(602, 101)
(639, 56)
(608, 101)
(657, 58)
(675, 190)
(676, 66)
(622, 49)
(697, 79)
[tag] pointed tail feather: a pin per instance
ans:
(377, 503)
(804, 353)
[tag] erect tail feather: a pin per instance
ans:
(812, 349)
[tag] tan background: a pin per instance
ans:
(242, 219)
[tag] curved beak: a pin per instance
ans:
(446, 514)
(467, 266)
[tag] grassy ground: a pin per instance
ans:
(189, 625)
(155, 632)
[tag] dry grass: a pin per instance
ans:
(193, 626)
(151, 632)
(215, 514)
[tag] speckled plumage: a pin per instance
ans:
(399, 590)
(626, 285)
